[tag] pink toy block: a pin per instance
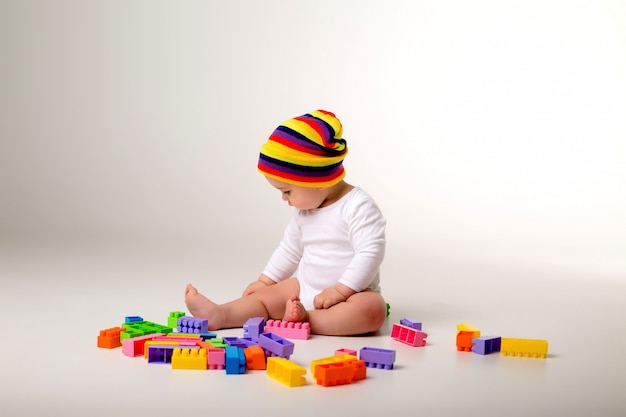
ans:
(288, 329)
(216, 358)
(408, 335)
(344, 351)
(135, 345)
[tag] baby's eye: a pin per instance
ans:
(286, 192)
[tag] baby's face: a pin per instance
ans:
(303, 198)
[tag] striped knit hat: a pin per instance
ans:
(307, 150)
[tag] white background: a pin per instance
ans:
(491, 133)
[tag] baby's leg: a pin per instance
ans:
(363, 312)
(267, 302)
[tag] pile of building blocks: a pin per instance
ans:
(409, 331)
(468, 339)
(186, 343)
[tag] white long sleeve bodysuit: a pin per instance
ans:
(343, 242)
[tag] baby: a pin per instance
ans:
(325, 270)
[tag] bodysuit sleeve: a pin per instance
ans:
(286, 257)
(366, 226)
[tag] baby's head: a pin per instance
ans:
(305, 151)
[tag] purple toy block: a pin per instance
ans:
(253, 327)
(163, 353)
(275, 345)
(486, 344)
(413, 324)
(188, 324)
(378, 358)
(234, 341)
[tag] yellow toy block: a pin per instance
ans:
(183, 336)
(285, 371)
(186, 358)
(527, 348)
(467, 327)
(331, 359)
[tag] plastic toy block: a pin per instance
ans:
(188, 324)
(331, 359)
(388, 308)
(289, 329)
(286, 372)
(110, 338)
(142, 328)
(217, 342)
(408, 335)
(340, 373)
(235, 341)
(183, 336)
(255, 358)
(467, 327)
(248, 341)
(527, 348)
(344, 351)
(163, 353)
(135, 346)
(189, 358)
(235, 360)
(413, 324)
(275, 345)
(149, 343)
(172, 319)
(132, 319)
(378, 358)
(464, 341)
(216, 358)
(253, 328)
(486, 344)
(206, 336)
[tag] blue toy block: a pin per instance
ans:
(253, 327)
(188, 324)
(378, 358)
(413, 324)
(486, 344)
(275, 345)
(132, 319)
(235, 360)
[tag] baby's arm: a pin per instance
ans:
(263, 281)
(332, 295)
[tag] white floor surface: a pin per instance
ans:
(55, 298)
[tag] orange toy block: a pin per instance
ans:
(255, 358)
(340, 373)
(110, 338)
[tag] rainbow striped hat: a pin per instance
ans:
(307, 150)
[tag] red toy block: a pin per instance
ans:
(408, 335)
(135, 345)
(255, 357)
(110, 338)
(288, 329)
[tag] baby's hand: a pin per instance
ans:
(328, 298)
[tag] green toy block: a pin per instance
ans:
(172, 320)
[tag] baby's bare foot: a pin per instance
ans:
(201, 307)
(295, 311)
